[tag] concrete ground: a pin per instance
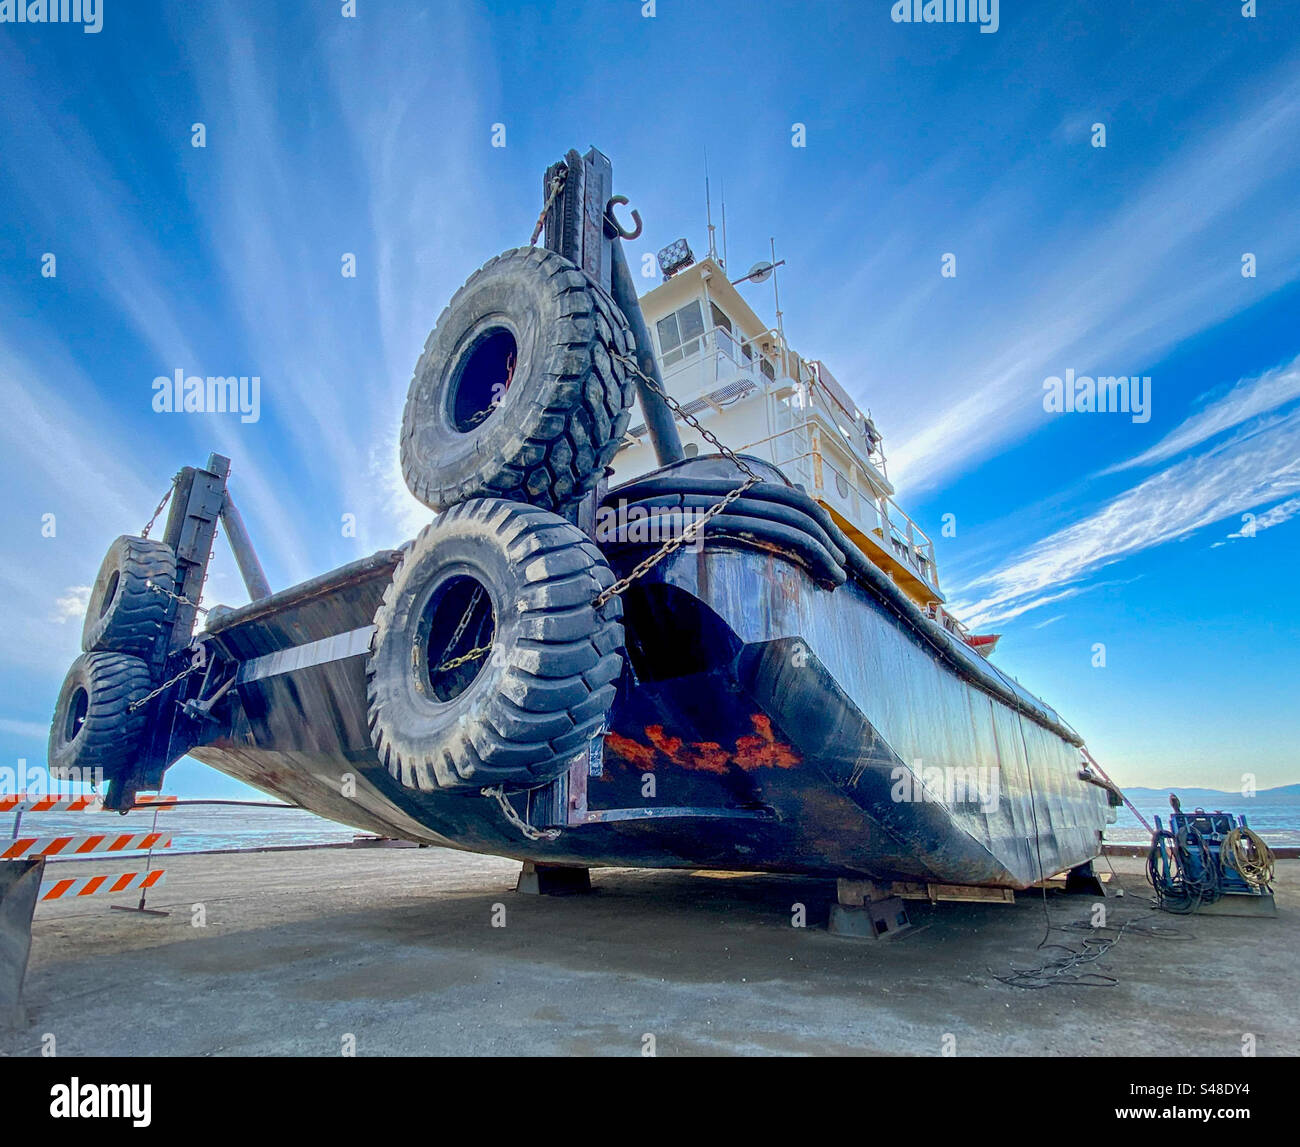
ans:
(397, 948)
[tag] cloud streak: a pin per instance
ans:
(1257, 465)
(1250, 398)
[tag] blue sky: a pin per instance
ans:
(373, 135)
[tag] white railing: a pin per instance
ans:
(874, 514)
(720, 360)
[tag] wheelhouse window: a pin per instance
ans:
(679, 334)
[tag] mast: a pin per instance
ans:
(708, 210)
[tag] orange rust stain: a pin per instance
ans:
(760, 751)
(710, 757)
(671, 747)
(763, 750)
(642, 756)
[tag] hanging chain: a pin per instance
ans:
(691, 532)
(482, 415)
(193, 667)
(508, 811)
(463, 659)
(473, 654)
(153, 585)
(557, 184)
(678, 409)
(158, 510)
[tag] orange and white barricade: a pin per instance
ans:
(72, 887)
(33, 846)
(25, 802)
(69, 845)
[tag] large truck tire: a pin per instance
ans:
(95, 726)
(126, 613)
(489, 664)
(518, 394)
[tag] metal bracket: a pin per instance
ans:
(864, 911)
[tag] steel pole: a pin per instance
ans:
(250, 569)
(665, 439)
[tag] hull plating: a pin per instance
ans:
(767, 724)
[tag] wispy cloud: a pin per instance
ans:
(1282, 512)
(1248, 399)
(1251, 468)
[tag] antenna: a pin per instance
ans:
(708, 208)
(724, 225)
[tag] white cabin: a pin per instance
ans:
(740, 378)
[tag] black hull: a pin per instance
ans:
(770, 724)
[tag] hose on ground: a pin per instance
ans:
(1182, 881)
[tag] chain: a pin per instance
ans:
(464, 658)
(508, 811)
(691, 532)
(153, 585)
(193, 667)
(159, 509)
(678, 409)
(556, 185)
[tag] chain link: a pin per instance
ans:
(508, 811)
(153, 585)
(694, 423)
(158, 510)
(193, 667)
(557, 185)
(691, 532)
(463, 659)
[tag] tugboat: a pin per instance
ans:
(666, 613)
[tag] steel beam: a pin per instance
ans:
(659, 420)
(250, 569)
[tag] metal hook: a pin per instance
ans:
(614, 223)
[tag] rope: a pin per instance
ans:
(1245, 851)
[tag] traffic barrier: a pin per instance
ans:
(76, 886)
(26, 802)
(83, 845)
(72, 845)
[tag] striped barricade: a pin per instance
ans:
(155, 800)
(28, 802)
(68, 846)
(33, 846)
(75, 886)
